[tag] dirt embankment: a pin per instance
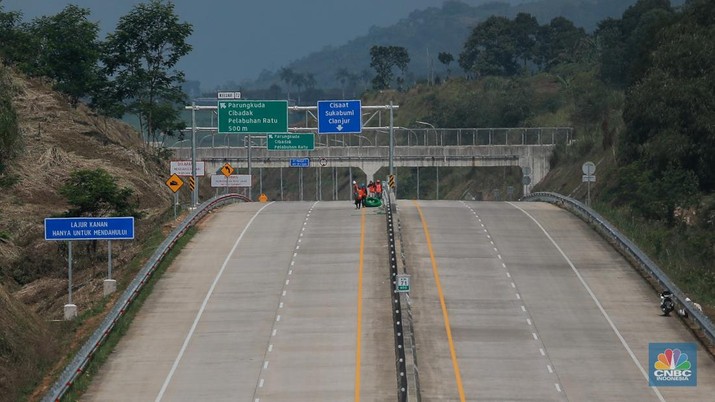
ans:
(57, 140)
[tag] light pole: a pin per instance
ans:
(433, 128)
(366, 139)
(205, 137)
(417, 140)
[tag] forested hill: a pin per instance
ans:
(425, 33)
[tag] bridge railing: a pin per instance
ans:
(207, 137)
(633, 253)
(75, 368)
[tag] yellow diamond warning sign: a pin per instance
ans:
(227, 169)
(174, 182)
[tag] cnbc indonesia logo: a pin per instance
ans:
(672, 364)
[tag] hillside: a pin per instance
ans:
(425, 33)
(56, 140)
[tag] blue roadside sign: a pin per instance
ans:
(300, 162)
(340, 117)
(89, 228)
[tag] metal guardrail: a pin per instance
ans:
(628, 248)
(207, 137)
(397, 316)
(75, 368)
(410, 346)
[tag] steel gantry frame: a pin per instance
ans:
(310, 112)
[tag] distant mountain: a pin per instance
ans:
(426, 33)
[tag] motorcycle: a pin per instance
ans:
(667, 305)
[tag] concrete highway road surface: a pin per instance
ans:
(524, 302)
(268, 302)
(290, 301)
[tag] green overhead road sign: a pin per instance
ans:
(291, 142)
(254, 116)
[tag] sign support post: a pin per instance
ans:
(87, 228)
(249, 167)
(195, 191)
(110, 285)
(589, 170)
(392, 140)
(70, 309)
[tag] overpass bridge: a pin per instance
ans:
(527, 148)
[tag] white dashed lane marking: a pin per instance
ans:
(512, 283)
(281, 303)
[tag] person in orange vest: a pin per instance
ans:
(378, 189)
(356, 194)
(361, 195)
(371, 189)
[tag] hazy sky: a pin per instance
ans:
(237, 39)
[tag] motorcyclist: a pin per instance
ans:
(666, 302)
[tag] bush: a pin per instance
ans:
(9, 129)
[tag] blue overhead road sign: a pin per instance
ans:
(86, 228)
(300, 162)
(339, 117)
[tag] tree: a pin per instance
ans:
(670, 113)
(68, 51)
(10, 135)
(628, 43)
(383, 60)
(342, 75)
(141, 56)
(299, 81)
(445, 58)
(525, 28)
(558, 42)
(288, 76)
(95, 193)
(12, 36)
(490, 49)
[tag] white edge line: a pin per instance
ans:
(595, 300)
(203, 307)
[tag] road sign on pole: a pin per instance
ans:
(339, 117)
(300, 162)
(236, 180)
(291, 142)
(89, 228)
(192, 184)
(403, 283)
(174, 182)
(588, 168)
(243, 116)
(227, 169)
(183, 168)
(229, 95)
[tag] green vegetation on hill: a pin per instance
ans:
(9, 130)
(425, 34)
(132, 71)
(639, 91)
(641, 100)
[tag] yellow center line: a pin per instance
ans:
(359, 307)
(435, 272)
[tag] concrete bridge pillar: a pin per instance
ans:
(370, 170)
(537, 160)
